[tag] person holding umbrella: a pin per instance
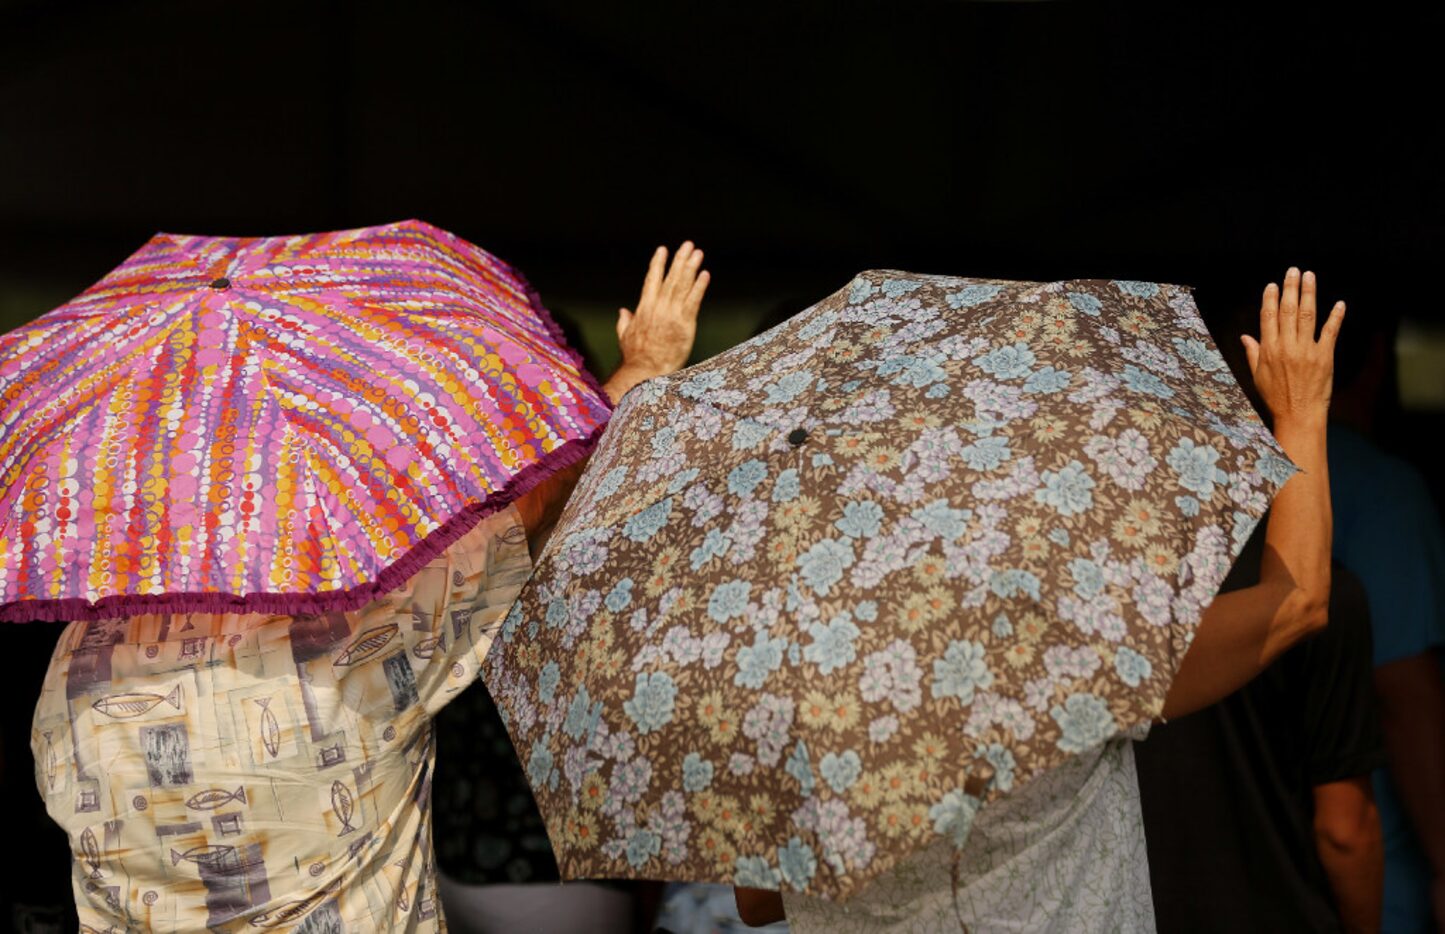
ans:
(921, 554)
(286, 487)
(1067, 851)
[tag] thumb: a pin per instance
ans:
(624, 321)
(1251, 351)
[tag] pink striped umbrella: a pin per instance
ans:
(274, 424)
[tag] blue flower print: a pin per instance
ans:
(943, 520)
(1200, 354)
(748, 432)
(866, 611)
(547, 682)
(987, 453)
(714, 545)
(1197, 467)
(647, 523)
(841, 771)
(897, 288)
(745, 477)
(787, 388)
(786, 488)
(937, 391)
(858, 292)
(971, 295)
(1067, 490)
(1141, 381)
(662, 441)
(582, 715)
(681, 480)
(1136, 289)
(1187, 505)
(1275, 469)
(753, 872)
(1085, 721)
(1003, 765)
(953, 816)
(1059, 537)
(823, 565)
(1007, 362)
(832, 645)
(1132, 667)
(642, 846)
(728, 600)
(619, 596)
(1048, 381)
(556, 615)
(611, 482)
(961, 671)
(1013, 582)
(1086, 304)
(696, 773)
(540, 771)
(797, 863)
(910, 370)
(755, 662)
(860, 519)
(1088, 578)
(1002, 628)
(695, 387)
(652, 701)
(800, 768)
(513, 622)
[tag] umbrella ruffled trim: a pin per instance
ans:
(391, 577)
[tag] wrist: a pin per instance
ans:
(1302, 424)
(624, 378)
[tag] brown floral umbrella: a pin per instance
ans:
(929, 530)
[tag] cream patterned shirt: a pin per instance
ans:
(267, 772)
(1063, 854)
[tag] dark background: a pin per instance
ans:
(796, 142)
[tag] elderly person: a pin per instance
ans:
(295, 790)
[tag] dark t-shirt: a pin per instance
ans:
(1227, 791)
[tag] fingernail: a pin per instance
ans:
(1293, 271)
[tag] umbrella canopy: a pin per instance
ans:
(274, 424)
(929, 537)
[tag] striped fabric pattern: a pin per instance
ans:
(275, 424)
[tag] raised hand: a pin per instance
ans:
(1292, 370)
(657, 337)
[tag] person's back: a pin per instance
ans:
(227, 772)
(1229, 792)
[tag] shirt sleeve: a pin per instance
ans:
(1342, 724)
(457, 602)
(1395, 546)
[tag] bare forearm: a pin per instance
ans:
(1298, 539)
(1357, 878)
(1244, 631)
(1412, 712)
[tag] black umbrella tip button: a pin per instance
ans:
(797, 436)
(221, 284)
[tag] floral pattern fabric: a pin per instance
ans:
(1065, 854)
(818, 599)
